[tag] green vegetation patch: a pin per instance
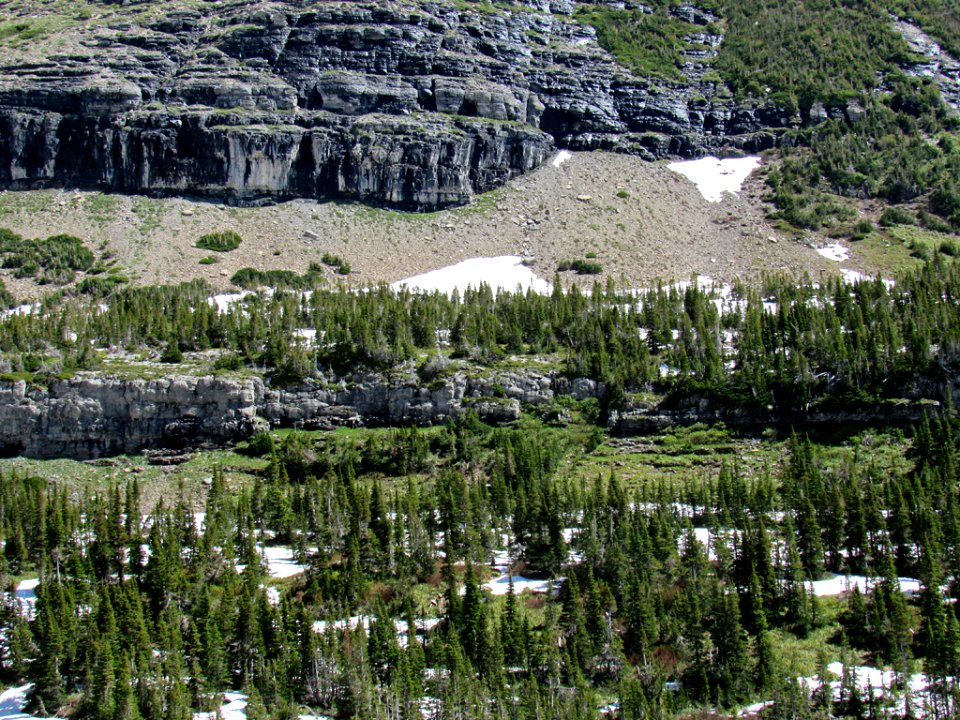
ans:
(223, 241)
(337, 263)
(649, 44)
(251, 278)
(580, 267)
(54, 260)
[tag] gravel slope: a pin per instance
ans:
(641, 220)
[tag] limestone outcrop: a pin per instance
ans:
(417, 105)
(87, 417)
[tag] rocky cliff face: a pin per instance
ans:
(413, 103)
(89, 417)
(93, 417)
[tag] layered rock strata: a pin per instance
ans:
(418, 105)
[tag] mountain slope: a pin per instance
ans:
(414, 104)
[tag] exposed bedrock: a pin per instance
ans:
(415, 105)
(89, 417)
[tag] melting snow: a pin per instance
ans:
(27, 597)
(20, 310)
(12, 703)
(714, 177)
(281, 563)
(225, 301)
(506, 272)
(234, 708)
(501, 585)
(839, 584)
(561, 157)
(838, 252)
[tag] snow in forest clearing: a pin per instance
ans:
(12, 703)
(506, 272)
(851, 277)
(502, 560)
(234, 708)
(838, 252)
(714, 177)
(27, 597)
(867, 680)
(501, 585)
(225, 301)
(281, 562)
(840, 584)
(754, 709)
(20, 310)
(879, 682)
(561, 157)
(422, 625)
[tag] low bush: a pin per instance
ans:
(896, 216)
(580, 267)
(224, 241)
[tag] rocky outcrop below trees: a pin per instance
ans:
(418, 105)
(89, 417)
(96, 416)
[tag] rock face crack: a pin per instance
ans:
(417, 105)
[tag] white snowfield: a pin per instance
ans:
(561, 157)
(27, 597)
(235, 708)
(281, 562)
(868, 681)
(714, 177)
(838, 252)
(840, 584)
(12, 703)
(506, 272)
(501, 585)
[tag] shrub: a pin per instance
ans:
(171, 353)
(59, 257)
(228, 362)
(208, 260)
(950, 247)
(580, 267)
(250, 278)
(336, 262)
(861, 230)
(920, 250)
(896, 216)
(260, 444)
(224, 241)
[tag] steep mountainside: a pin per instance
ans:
(414, 104)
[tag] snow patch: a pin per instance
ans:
(234, 708)
(20, 310)
(27, 598)
(561, 157)
(501, 585)
(13, 701)
(281, 562)
(840, 584)
(225, 301)
(851, 277)
(714, 177)
(838, 252)
(506, 272)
